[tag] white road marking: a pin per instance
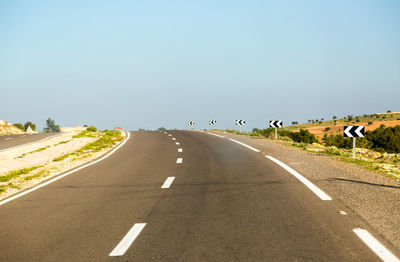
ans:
(64, 175)
(8, 138)
(127, 241)
(179, 160)
(168, 182)
(180, 150)
(343, 212)
(173, 138)
(177, 143)
(243, 144)
(169, 135)
(165, 132)
(381, 251)
(215, 135)
(321, 194)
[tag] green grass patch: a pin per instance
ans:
(86, 133)
(107, 140)
(38, 174)
(2, 188)
(13, 186)
(10, 175)
(34, 151)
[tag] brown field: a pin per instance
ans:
(319, 131)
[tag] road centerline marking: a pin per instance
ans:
(179, 160)
(127, 241)
(177, 143)
(169, 135)
(380, 250)
(243, 144)
(321, 194)
(174, 138)
(180, 150)
(168, 182)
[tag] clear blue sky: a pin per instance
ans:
(146, 64)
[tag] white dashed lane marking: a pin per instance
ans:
(179, 160)
(127, 241)
(168, 182)
(243, 144)
(321, 194)
(177, 143)
(180, 150)
(380, 250)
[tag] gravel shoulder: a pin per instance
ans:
(369, 195)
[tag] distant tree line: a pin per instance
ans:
(303, 136)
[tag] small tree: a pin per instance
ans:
(162, 129)
(334, 117)
(29, 124)
(51, 126)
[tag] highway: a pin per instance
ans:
(183, 196)
(8, 141)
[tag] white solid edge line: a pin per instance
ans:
(63, 175)
(215, 134)
(180, 150)
(168, 182)
(243, 144)
(381, 251)
(321, 194)
(8, 138)
(179, 160)
(128, 239)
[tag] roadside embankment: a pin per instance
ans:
(28, 165)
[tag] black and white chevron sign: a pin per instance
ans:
(240, 122)
(191, 123)
(212, 122)
(354, 131)
(275, 123)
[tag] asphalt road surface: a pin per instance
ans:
(216, 200)
(7, 141)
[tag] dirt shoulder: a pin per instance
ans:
(27, 165)
(368, 194)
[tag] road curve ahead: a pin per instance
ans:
(180, 196)
(8, 141)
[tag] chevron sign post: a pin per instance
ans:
(191, 123)
(354, 131)
(240, 123)
(276, 124)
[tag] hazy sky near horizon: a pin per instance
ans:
(147, 64)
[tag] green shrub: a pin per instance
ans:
(20, 126)
(92, 129)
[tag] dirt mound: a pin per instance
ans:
(7, 129)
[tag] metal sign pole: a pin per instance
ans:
(276, 133)
(354, 147)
